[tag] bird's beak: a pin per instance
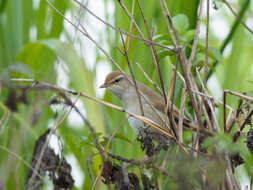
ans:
(104, 85)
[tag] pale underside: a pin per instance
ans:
(157, 116)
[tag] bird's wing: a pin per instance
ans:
(158, 101)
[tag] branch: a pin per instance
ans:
(124, 32)
(206, 48)
(153, 53)
(196, 37)
(237, 16)
(231, 34)
(48, 86)
(125, 53)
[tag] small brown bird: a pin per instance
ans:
(120, 86)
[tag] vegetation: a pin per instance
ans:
(53, 55)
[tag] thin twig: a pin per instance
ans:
(156, 179)
(66, 115)
(132, 75)
(212, 98)
(224, 112)
(181, 115)
(141, 118)
(4, 116)
(177, 43)
(148, 78)
(154, 57)
(237, 16)
(196, 37)
(208, 103)
(45, 86)
(142, 162)
(167, 24)
(153, 53)
(21, 159)
(90, 38)
(84, 32)
(90, 127)
(231, 33)
(190, 87)
(171, 102)
(248, 118)
(230, 174)
(183, 63)
(230, 120)
(113, 135)
(124, 32)
(131, 26)
(37, 166)
(247, 98)
(206, 48)
(251, 182)
(187, 75)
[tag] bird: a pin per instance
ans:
(118, 84)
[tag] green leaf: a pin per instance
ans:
(181, 23)
(57, 19)
(81, 78)
(2, 5)
(41, 19)
(163, 53)
(19, 68)
(223, 142)
(39, 59)
(199, 60)
(163, 39)
(215, 54)
(27, 18)
(122, 137)
(188, 36)
(81, 153)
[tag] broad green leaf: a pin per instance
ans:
(199, 60)
(181, 23)
(41, 20)
(19, 69)
(27, 18)
(57, 19)
(215, 54)
(163, 53)
(223, 142)
(39, 59)
(2, 5)
(122, 137)
(188, 8)
(81, 153)
(163, 39)
(81, 78)
(188, 36)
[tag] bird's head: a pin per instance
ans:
(116, 83)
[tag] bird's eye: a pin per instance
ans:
(117, 80)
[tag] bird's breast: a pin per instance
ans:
(135, 123)
(133, 107)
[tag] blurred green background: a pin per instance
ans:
(36, 42)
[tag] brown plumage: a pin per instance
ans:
(112, 75)
(158, 101)
(117, 83)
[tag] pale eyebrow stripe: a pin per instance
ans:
(118, 77)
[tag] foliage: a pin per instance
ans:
(36, 43)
